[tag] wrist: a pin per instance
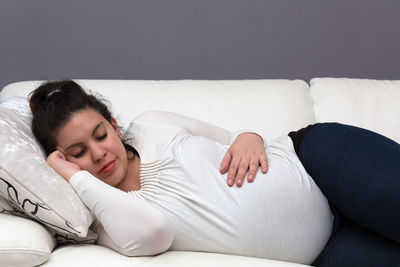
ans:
(251, 134)
(70, 174)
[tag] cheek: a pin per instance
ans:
(83, 163)
(117, 147)
(120, 152)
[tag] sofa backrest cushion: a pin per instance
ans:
(270, 107)
(370, 104)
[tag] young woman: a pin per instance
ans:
(166, 186)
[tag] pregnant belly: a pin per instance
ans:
(282, 215)
(286, 215)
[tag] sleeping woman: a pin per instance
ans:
(175, 183)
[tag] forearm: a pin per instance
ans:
(135, 227)
(192, 126)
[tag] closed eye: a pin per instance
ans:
(102, 137)
(80, 154)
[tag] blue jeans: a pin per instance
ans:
(359, 173)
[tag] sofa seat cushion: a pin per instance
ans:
(93, 255)
(29, 244)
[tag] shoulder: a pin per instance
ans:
(148, 115)
(152, 132)
(153, 116)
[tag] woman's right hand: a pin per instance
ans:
(58, 161)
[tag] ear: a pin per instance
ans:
(115, 126)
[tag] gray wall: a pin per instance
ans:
(198, 39)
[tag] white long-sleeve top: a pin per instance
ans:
(185, 204)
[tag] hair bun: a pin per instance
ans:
(50, 91)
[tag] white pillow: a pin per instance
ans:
(28, 185)
(23, 242)
(366, 103)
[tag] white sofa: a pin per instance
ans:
(271, 107)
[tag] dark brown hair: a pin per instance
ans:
(52, 105)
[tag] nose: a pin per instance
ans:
(98, 152)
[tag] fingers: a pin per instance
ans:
(242, 170)
(233, 168)
(238, 169)
(253, 167)
(243, 157)
(239, 166)
(58, 161)
(226, 161)
(61, 155)
(55, 156)
(264, 162)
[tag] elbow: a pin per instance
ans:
(156, 239)
(162, 235)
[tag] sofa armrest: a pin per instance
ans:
(23, 242)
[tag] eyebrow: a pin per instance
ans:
(94, 131)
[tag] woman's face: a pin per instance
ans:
(90, 141)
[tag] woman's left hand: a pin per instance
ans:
(245, 155)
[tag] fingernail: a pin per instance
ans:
(250, 177)
(230, 181)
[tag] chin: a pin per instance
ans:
(115, 180)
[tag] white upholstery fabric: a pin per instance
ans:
(85, 256)
(370, 104)
(23, 242)
(269, 107)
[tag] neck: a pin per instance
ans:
(132, 180)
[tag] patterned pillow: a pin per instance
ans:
(29, 187)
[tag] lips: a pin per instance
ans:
(108, 167)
